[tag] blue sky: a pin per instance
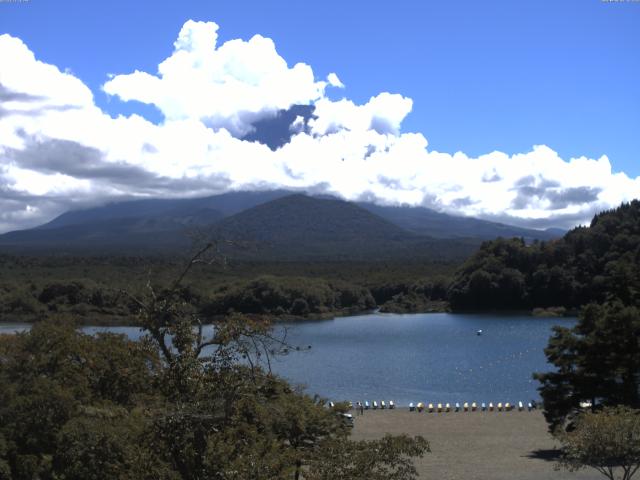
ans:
(483, 76)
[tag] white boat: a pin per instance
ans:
(366, 405)
(479, 332)
(411, 407)
(391, 405)
(375, 405)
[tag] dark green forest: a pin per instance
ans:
(597, 263)
(91, 288)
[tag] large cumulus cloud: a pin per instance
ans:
(58, 150)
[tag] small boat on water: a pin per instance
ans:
(366, 405)
(411, 407)
(479, 332)
(375, 405)
(474, 407)
(391, 405)
(420, 406)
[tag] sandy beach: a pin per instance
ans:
(475, 445)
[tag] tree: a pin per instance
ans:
(607, 441)
(597, 361)
(390, 458)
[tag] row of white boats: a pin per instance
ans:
(471, 407)
(445, 407)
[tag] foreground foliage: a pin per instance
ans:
(607, 441)
(185, 402)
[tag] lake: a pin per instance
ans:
(436, 357)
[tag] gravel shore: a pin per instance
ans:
(475, 445)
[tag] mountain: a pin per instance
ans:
(187, 211)
(277, 223)
(424, 221)
(300, 227)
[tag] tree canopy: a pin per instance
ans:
(589, 264)
(607, 441)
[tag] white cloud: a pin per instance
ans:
(227, 86)
(58, 149)
(334, 81)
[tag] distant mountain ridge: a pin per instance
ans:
(279, 224)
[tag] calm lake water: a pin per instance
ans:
(410, 358)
